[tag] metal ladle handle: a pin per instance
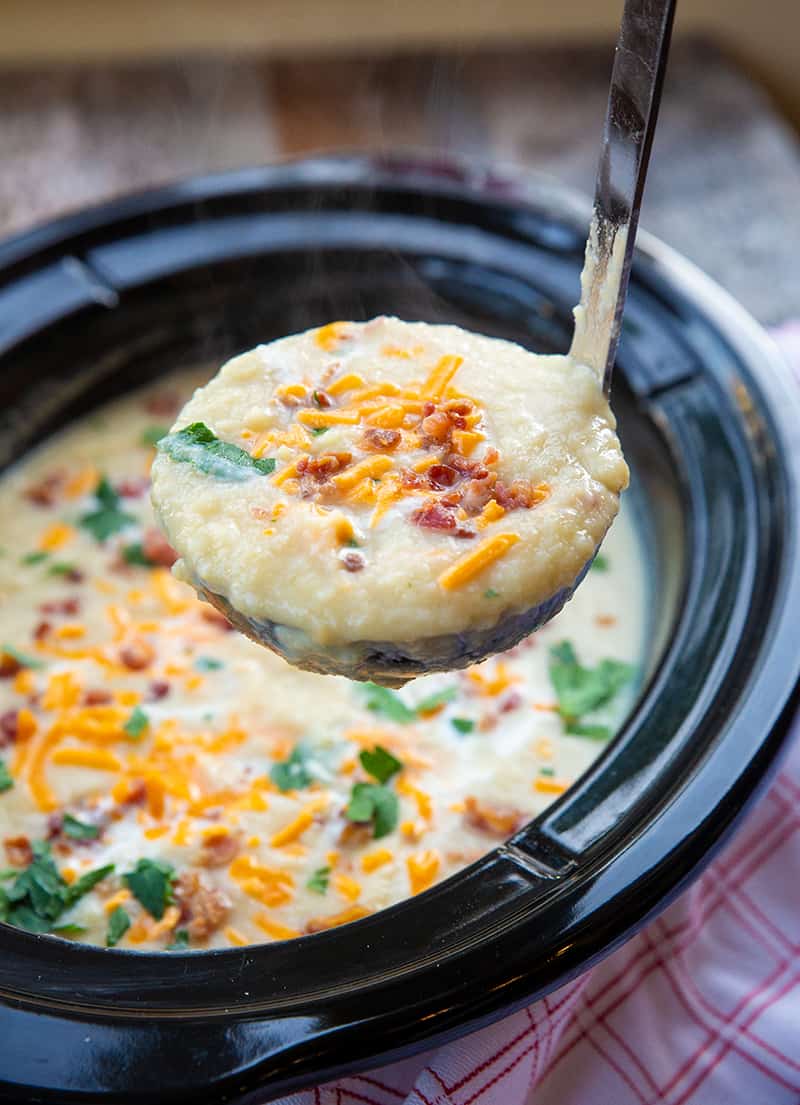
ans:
(636, 81)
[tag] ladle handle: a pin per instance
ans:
(638, 75)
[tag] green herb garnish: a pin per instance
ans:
(319, 880)
(383, 701)
(79, 830)
(434, 701)
(462, 724)
(581, 690)
(69, 930)
(548, 772)
(107, 518)
(6, 781)
(379, 763)
(151, 435)
(292, 773)
(208, 663)
(372, 802)
(150, 882)
(135, 554)
(22, 658)
(198, 445)
(180, 941)
(136, 723)
(118, 924)
(318, 431)
(39, 895)
(490, 593)
(62, 568)
(34, 557)
(600, 563)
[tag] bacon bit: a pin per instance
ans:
(355, 834)
(41, 631)
(380, 440)
(157, 549)
(490, 819)
(18, 850)
(129, 792)
(164, 404)
(137, 655)
(68, 607)
(202, 907)
(478, 491)
(352, 913)
(521, 494)
(47, 491)
(410, 480)
(97, 698)
(605, 621)
(320, 399)
(353, 561)
(132, 487)
(74, 575)
(436, 426)
(215, 617)
(9, 727)
(158, 689)
(9, 666)
(511, 703)
(441, 476)
(433, 515)
(324, 466)
(219, 848)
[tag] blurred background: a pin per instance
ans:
(98, 97)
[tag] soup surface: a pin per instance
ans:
(165, 783)
(374, 482)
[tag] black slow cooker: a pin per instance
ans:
(106, 299)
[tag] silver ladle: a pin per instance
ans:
(636, 81)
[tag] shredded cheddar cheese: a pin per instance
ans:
(477, 560)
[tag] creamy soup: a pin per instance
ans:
(165, 783)
(390, 482)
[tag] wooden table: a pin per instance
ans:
(724, 184)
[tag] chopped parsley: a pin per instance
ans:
(316, 399)
(62, 568)
(380, 700)
(150, 882)
(34, 557)
(582, 690)
(600, 563)
(198, 445)
(490, 593)
(208, 663)
(39, 895)
(136, 723)
(79, 830)
(379, 763)
(118, 924)
(435, 701)
(69, 930)
(293, 773)
(180, 941)
(22, 658)
(135, 554)
(372, 802)
(462, 724)
(107, 518)
(6, 781)
(319, 880)
(318, 431)
(549, 772)
(151, 435)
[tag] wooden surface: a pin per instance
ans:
(724, 184)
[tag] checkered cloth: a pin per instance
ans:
(700, 1008)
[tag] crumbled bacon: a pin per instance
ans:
(520, 495)
(68, 607)
(157, 549)
(442, 475)
(432, 515)
(321, 399)
(97, 697)
(133, 487)
(9, 666)
(48, 489)
(220, 849)
(202, 908)
(137, 654)
(73, 575)
(376, 439)
(9, 727)
(436, 426)
(137, 792)
(411, 479)
(477, 493)
(163, 404)
(355, 834)
(511, 702)
(324, 466)
(41, 630)
(158, 689)
(353, 561)
(18, 850)
(498, 821)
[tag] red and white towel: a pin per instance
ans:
(702, 1007)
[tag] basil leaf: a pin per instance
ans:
(136, 723)
(379, 763)
(198, 445)
(22, 658)
(319, 880)
(580, 690)
(150, 882)
(180, 941)
(378, 804)
(6, 780)
(79, 830)
(434, 701)
(462, 724)
(107, 518)
(380, 700)
(118, 924)
(292, 773)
